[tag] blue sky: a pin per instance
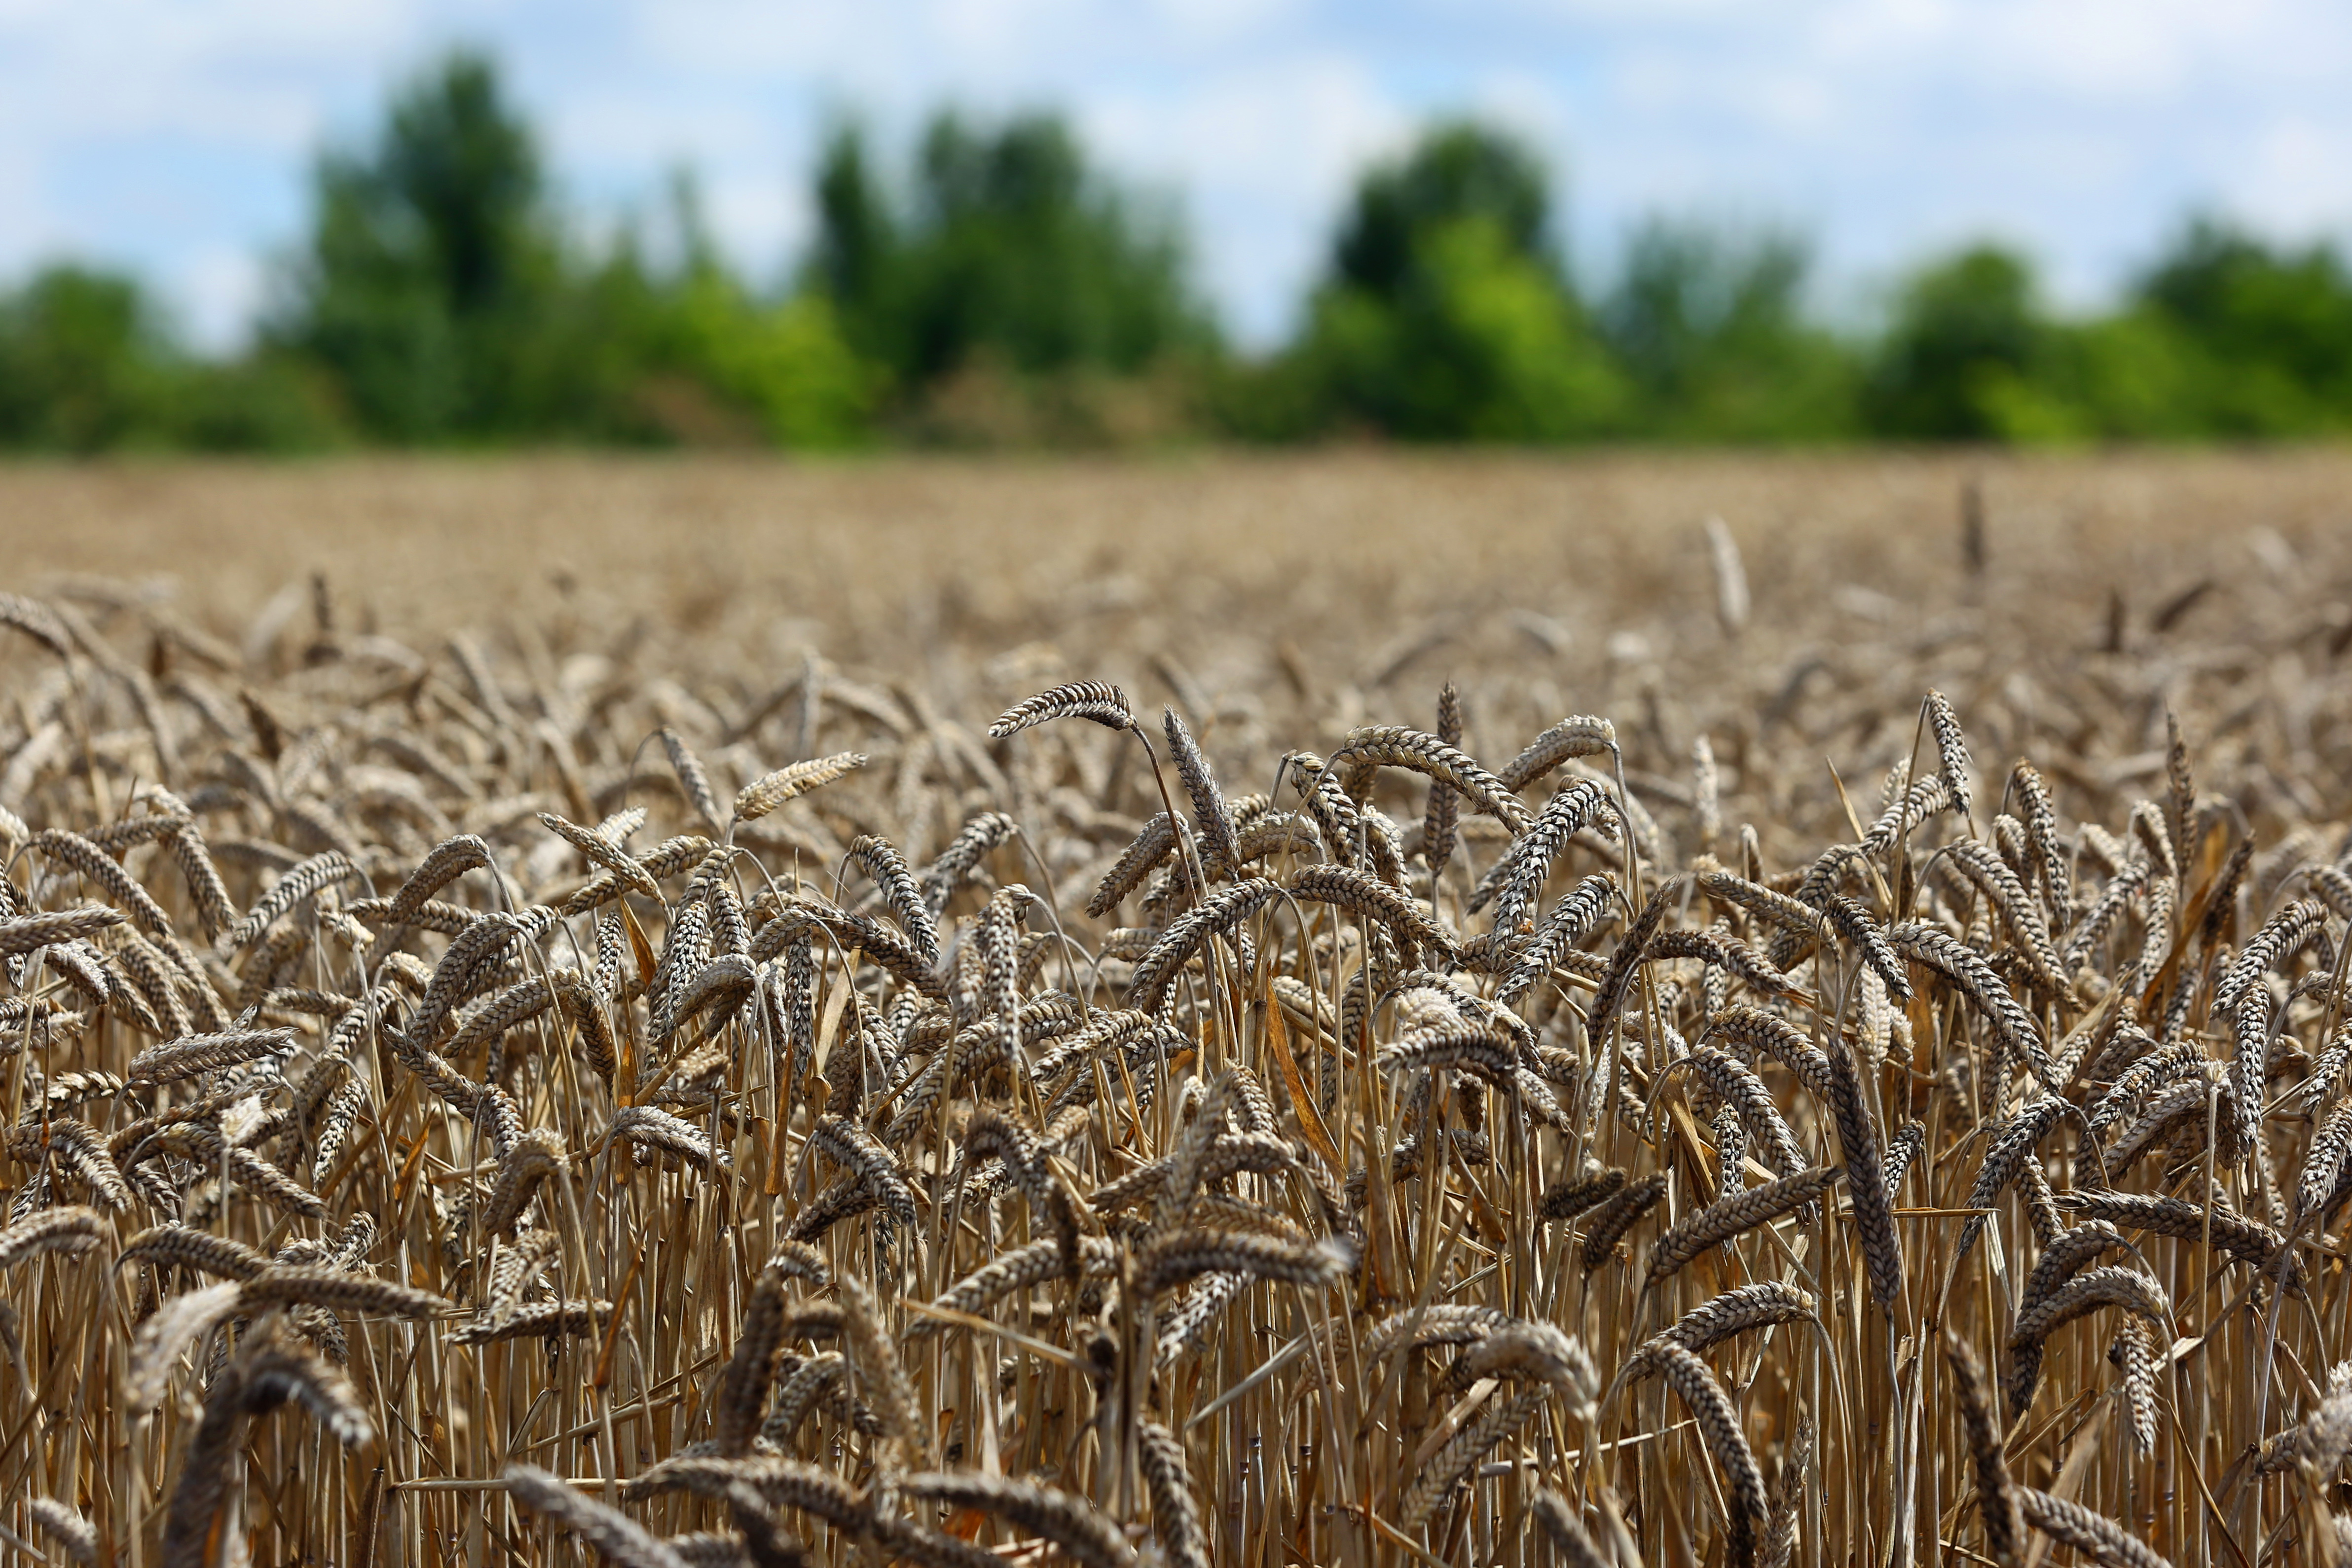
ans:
(176, 137)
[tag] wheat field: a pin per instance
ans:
(1348, 1009)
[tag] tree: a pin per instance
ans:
(1006, 248)
(431, 262)
(86, 363)
(857, 239)
(2270, 329)
(441, 298)
(1458, 172)
(1708, 326)
(1968, 354)
(661, 343)
(1445, 314)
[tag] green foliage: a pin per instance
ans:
(441, 299)
(1003, 257)
(426, 292)
(2224, 337)
(89, 364)
(683, 352)
(1000, 289)
(1478, 342)
(1968, 354)
(85, 364)
(1446, 315)
(2269, 329)
(1709, 327)
(261, 402)
(1457, 172)
(784, 363)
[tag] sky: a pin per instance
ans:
(177, 138)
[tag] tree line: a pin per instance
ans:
(997, 287)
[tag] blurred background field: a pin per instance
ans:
(1203, 545)
(1297, 594)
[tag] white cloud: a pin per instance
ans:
(2295, 175)
(1261, 156)
(223, 288)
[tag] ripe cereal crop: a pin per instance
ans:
(1672, 1053)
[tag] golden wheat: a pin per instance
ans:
(390, 1030)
